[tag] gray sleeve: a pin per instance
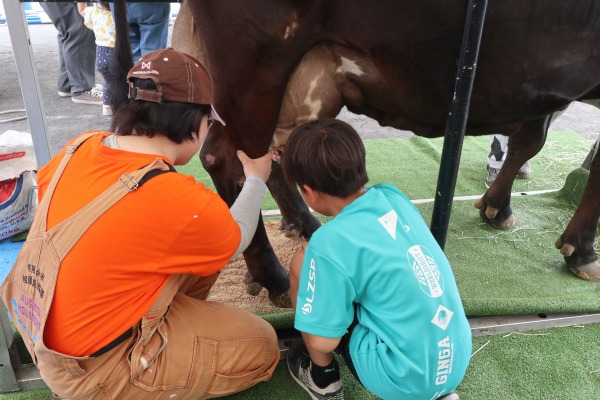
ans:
(246, 209)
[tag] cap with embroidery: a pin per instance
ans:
(179, 78)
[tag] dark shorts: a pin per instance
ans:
(343, 348)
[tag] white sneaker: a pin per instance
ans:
(106, 110)
(299, 365)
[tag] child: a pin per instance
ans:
(372, 283)
(99, 19)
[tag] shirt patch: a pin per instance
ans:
(442, 317)
(389, 222)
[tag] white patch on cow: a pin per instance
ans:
(349, 67)
(314, 106)
(210, 159)
(290, 30)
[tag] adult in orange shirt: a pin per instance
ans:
(123, 313)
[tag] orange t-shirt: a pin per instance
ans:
(113, 274)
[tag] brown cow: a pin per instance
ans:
(394, 61)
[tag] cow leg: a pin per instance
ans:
(264, 269)
(577, 241)
(494, 206)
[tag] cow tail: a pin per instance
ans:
(122, 60)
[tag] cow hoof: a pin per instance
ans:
(499, 219)
(292, 233)
(253, 288)
(566, 249)
(281, 300)
(491, 212)
(507, 224)
(589, 272)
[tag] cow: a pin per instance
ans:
(277, 63)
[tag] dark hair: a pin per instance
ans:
(176, 121)
(328, 156)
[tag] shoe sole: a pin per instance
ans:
(302, 384)
(450, 396)
(75, 100)
(64, 94)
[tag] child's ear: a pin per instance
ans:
(310, 193)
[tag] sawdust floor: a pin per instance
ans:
(230, 287)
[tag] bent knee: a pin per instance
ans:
(242, 362)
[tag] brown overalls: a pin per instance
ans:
(183, 348)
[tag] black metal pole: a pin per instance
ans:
(457, 119)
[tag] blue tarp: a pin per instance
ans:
(8, 255)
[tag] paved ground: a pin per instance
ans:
(65, 119)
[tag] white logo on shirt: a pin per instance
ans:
(426, 271)
(389, 222)
(442, 317)
(312, 283)
(445, 359)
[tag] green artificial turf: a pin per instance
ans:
(518, 271)
(551, 364)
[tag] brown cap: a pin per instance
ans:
(179, 78)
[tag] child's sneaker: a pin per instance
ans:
(298, 362)
(450, 396)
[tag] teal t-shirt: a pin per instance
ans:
(413, 340)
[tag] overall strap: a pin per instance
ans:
(39, 222)
(65, 234)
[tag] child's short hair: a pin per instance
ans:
(328, 156)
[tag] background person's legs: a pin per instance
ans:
(64, 87)
(498, 149)
(104, 55)
(152, 26)
(77, 48)
(134, 41)
(496, 157)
